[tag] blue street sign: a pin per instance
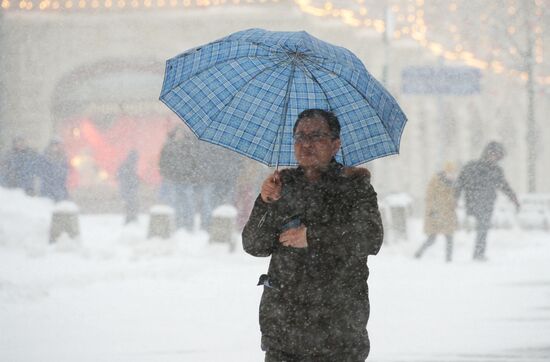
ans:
(440, 80)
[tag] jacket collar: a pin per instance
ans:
(333, 170)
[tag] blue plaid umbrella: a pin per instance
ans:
(244, 92)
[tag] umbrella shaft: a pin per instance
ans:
(281, 130)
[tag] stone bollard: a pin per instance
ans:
(385, 224)
(64, 220)
(399, 221)
(223, 225)
(399, 205)
(161, 222)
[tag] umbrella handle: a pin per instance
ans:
(276, 179)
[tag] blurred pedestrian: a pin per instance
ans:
(177, 166)
(214, 178)
(128, 182)
(54, 170)
(440, 215)
(251, 176)
(480, 180)
(319, 222)
(20, 166)
(205, 178)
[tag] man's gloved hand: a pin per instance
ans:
(271, 188)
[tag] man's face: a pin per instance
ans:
(495, 156)
(19, 144)
(314, 145)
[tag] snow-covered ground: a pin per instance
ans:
(116, 296)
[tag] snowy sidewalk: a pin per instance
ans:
(119, 297)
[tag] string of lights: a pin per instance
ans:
(68, 5)
(407, 19)
(460, 31)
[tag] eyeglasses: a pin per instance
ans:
(314, 137)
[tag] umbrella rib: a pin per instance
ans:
(314, 78)
(216, 64)
(271, 49)
(364, 97)
(243, 89)
(283, 114)
(277, 48)
(280, 51)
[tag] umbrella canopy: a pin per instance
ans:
(245, 91)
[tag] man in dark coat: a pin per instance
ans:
(20, 167)
(128, 183)
(54, 170)
(220, 168)
(177, 166)
(214, 178)
(319, 222)
(480, 181)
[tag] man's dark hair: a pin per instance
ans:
(329, 117)
(494, 148)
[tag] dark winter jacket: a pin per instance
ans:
(54, 170)
(480, 181)
(176, 161)
(215, 164)
(317, 302)
(128, 178)
(20, 169)
(190, 160)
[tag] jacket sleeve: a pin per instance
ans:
(430, 195)
(361, 235)
(259, 234)
(460, 183)
(505, 187)
(164, 162)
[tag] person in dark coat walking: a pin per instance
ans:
(213, 175)
(440, 210)
(319, 222)
(177, 166)
(20, 167)
(128, 183)
(54, 171)
(214, 178)
(480, 180)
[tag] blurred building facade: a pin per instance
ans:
(90, 72)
